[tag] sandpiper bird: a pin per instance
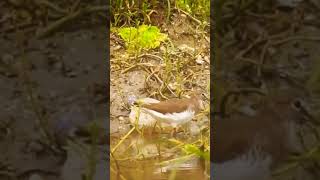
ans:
(174, 112)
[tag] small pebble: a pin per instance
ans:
(162, 49)
(117, 48)
(173, 86)
(199, 60)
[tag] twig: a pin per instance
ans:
(152, 56)
(121, 176)
(187, 14)
(129, 68)
(160, 92)
(135, 65)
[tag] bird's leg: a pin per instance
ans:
(160, 127)
(154, 127)
(183, 128)
(174, 132)
(150, 132)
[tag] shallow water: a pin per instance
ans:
(147, 169)
(139, 157)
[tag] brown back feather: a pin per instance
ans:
(174, 105)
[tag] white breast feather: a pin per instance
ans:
(144, 118)
(172, 118)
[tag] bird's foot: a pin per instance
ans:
(174, 133)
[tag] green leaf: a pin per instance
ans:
(193, 149)
(144, 37)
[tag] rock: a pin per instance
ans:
(116, 48)
(199, 60)
(121, 118)
(173, 86)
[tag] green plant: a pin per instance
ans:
(199, 151)
(130, 11)
(200, 8)
(144, 37)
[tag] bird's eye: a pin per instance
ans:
(203, 95)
